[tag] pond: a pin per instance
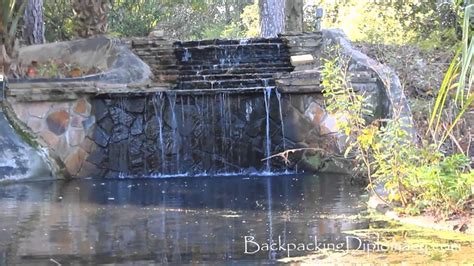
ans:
(180, 220)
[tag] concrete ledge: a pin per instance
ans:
(298, 60)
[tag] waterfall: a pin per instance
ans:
(187, 55)
(223, 127)
(158, 103)
(267, 95)
(282, 125)
(229, 128)
(202, 126)
(123, 154)
(174, 125)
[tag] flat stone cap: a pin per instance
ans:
(299, 60)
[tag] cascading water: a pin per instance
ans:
(187, 55)
(174, 126)
(267, 96)
(282, 122)
(123, 158)
(226, 128)
(158, 104)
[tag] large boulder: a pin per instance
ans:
(18, 160)
(118, 63)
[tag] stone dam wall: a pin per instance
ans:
(217, 107)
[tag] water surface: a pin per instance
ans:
(181, 220)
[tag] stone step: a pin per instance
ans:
(241, 83)
(193, 57)
(150, 42)
(249, 67)
(228, 42)
(223, 63)
(150, 52)
(220, 90)
(274, 48)
(208, 72)
(226, 77)
(215, 64)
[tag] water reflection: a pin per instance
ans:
(184, 220)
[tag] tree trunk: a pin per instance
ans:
(272, 18)
(33, 32)
(278, 16)
(91, 17)
(294, 16)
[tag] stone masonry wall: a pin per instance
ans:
(62, 127)
(169, 134)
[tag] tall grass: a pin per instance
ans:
(11, 13)
(459, 77)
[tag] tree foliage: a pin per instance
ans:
(426, 23)
(180, 19)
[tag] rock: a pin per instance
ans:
(329, 125)
(101, 137)
(137, 161)
(152, 128)
(255, 127)
(296, 126)
(119, 133)
(304, 67)
(119, 152)
(156, 33)
(137, 127)
(120, 116)
(82, 107)
(19, 161)
(100, 109)
(75, 137)
(21, 111)
(315, 113)
(50, 138)
(76, 121)
(35, 124)
(88, 123)
(74, 161)
(97, 157)
(58, 122)
(38, 110)
(136, 145)
(135, 105)
(88, 170)
(107, 124)
(87, 145)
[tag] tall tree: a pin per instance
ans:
(33, 22)
(272, 17)
(91, 17)
(278, 16)
(294, 15)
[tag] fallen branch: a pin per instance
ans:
(287, 153)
